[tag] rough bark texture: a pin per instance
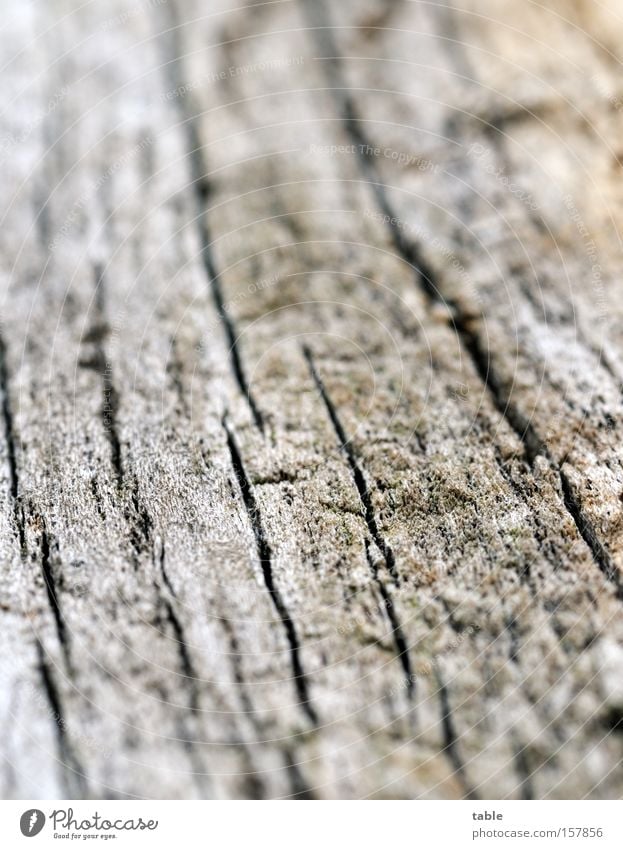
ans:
(310, 371)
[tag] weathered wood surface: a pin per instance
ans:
(311, 361)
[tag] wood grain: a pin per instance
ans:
(311, 360)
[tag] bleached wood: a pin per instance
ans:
(311, 393)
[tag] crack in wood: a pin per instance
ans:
(139, 521)
(202, 190)
(299, 786)
(9, 435)
(463, 322)
(256, 787)
(524, 773)
(346, 447)
(7, 417)
(190, 676)
(400, 643)
(601, 556)
(99, 363)
(450, 739)
(73, 775)
(52, 594)
(265, 556)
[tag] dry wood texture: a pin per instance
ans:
(311, 356)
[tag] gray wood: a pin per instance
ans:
(310, 363)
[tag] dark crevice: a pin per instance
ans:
(265, 557)
(236, 667)
(493, 129)
(600, 554)
(110, 399)
(187, 738)
(400, 643)
(613, 719)
(52, 593)
(464, 322)
(494, 126)
(213, 278)
(254, 786)
(357, 472)
(542, 535)
(99, 363)
(481, 359)
(319, 20)
(9, 435)
(139, 523)
(99, 503)
(450, 739)
(175, 370)
(253, 782)
(186, 663)
(7, 416)
(202, 191)
(524, 772)
(258, 791)
(300, 788)
(73, 773)
(165, 574)
(512, 628)
(110, 409)
(138, 519)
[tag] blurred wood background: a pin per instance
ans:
(311, 360)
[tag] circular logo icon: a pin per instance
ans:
(32, 822)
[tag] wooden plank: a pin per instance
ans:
(311, 462)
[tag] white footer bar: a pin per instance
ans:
(312, 825)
